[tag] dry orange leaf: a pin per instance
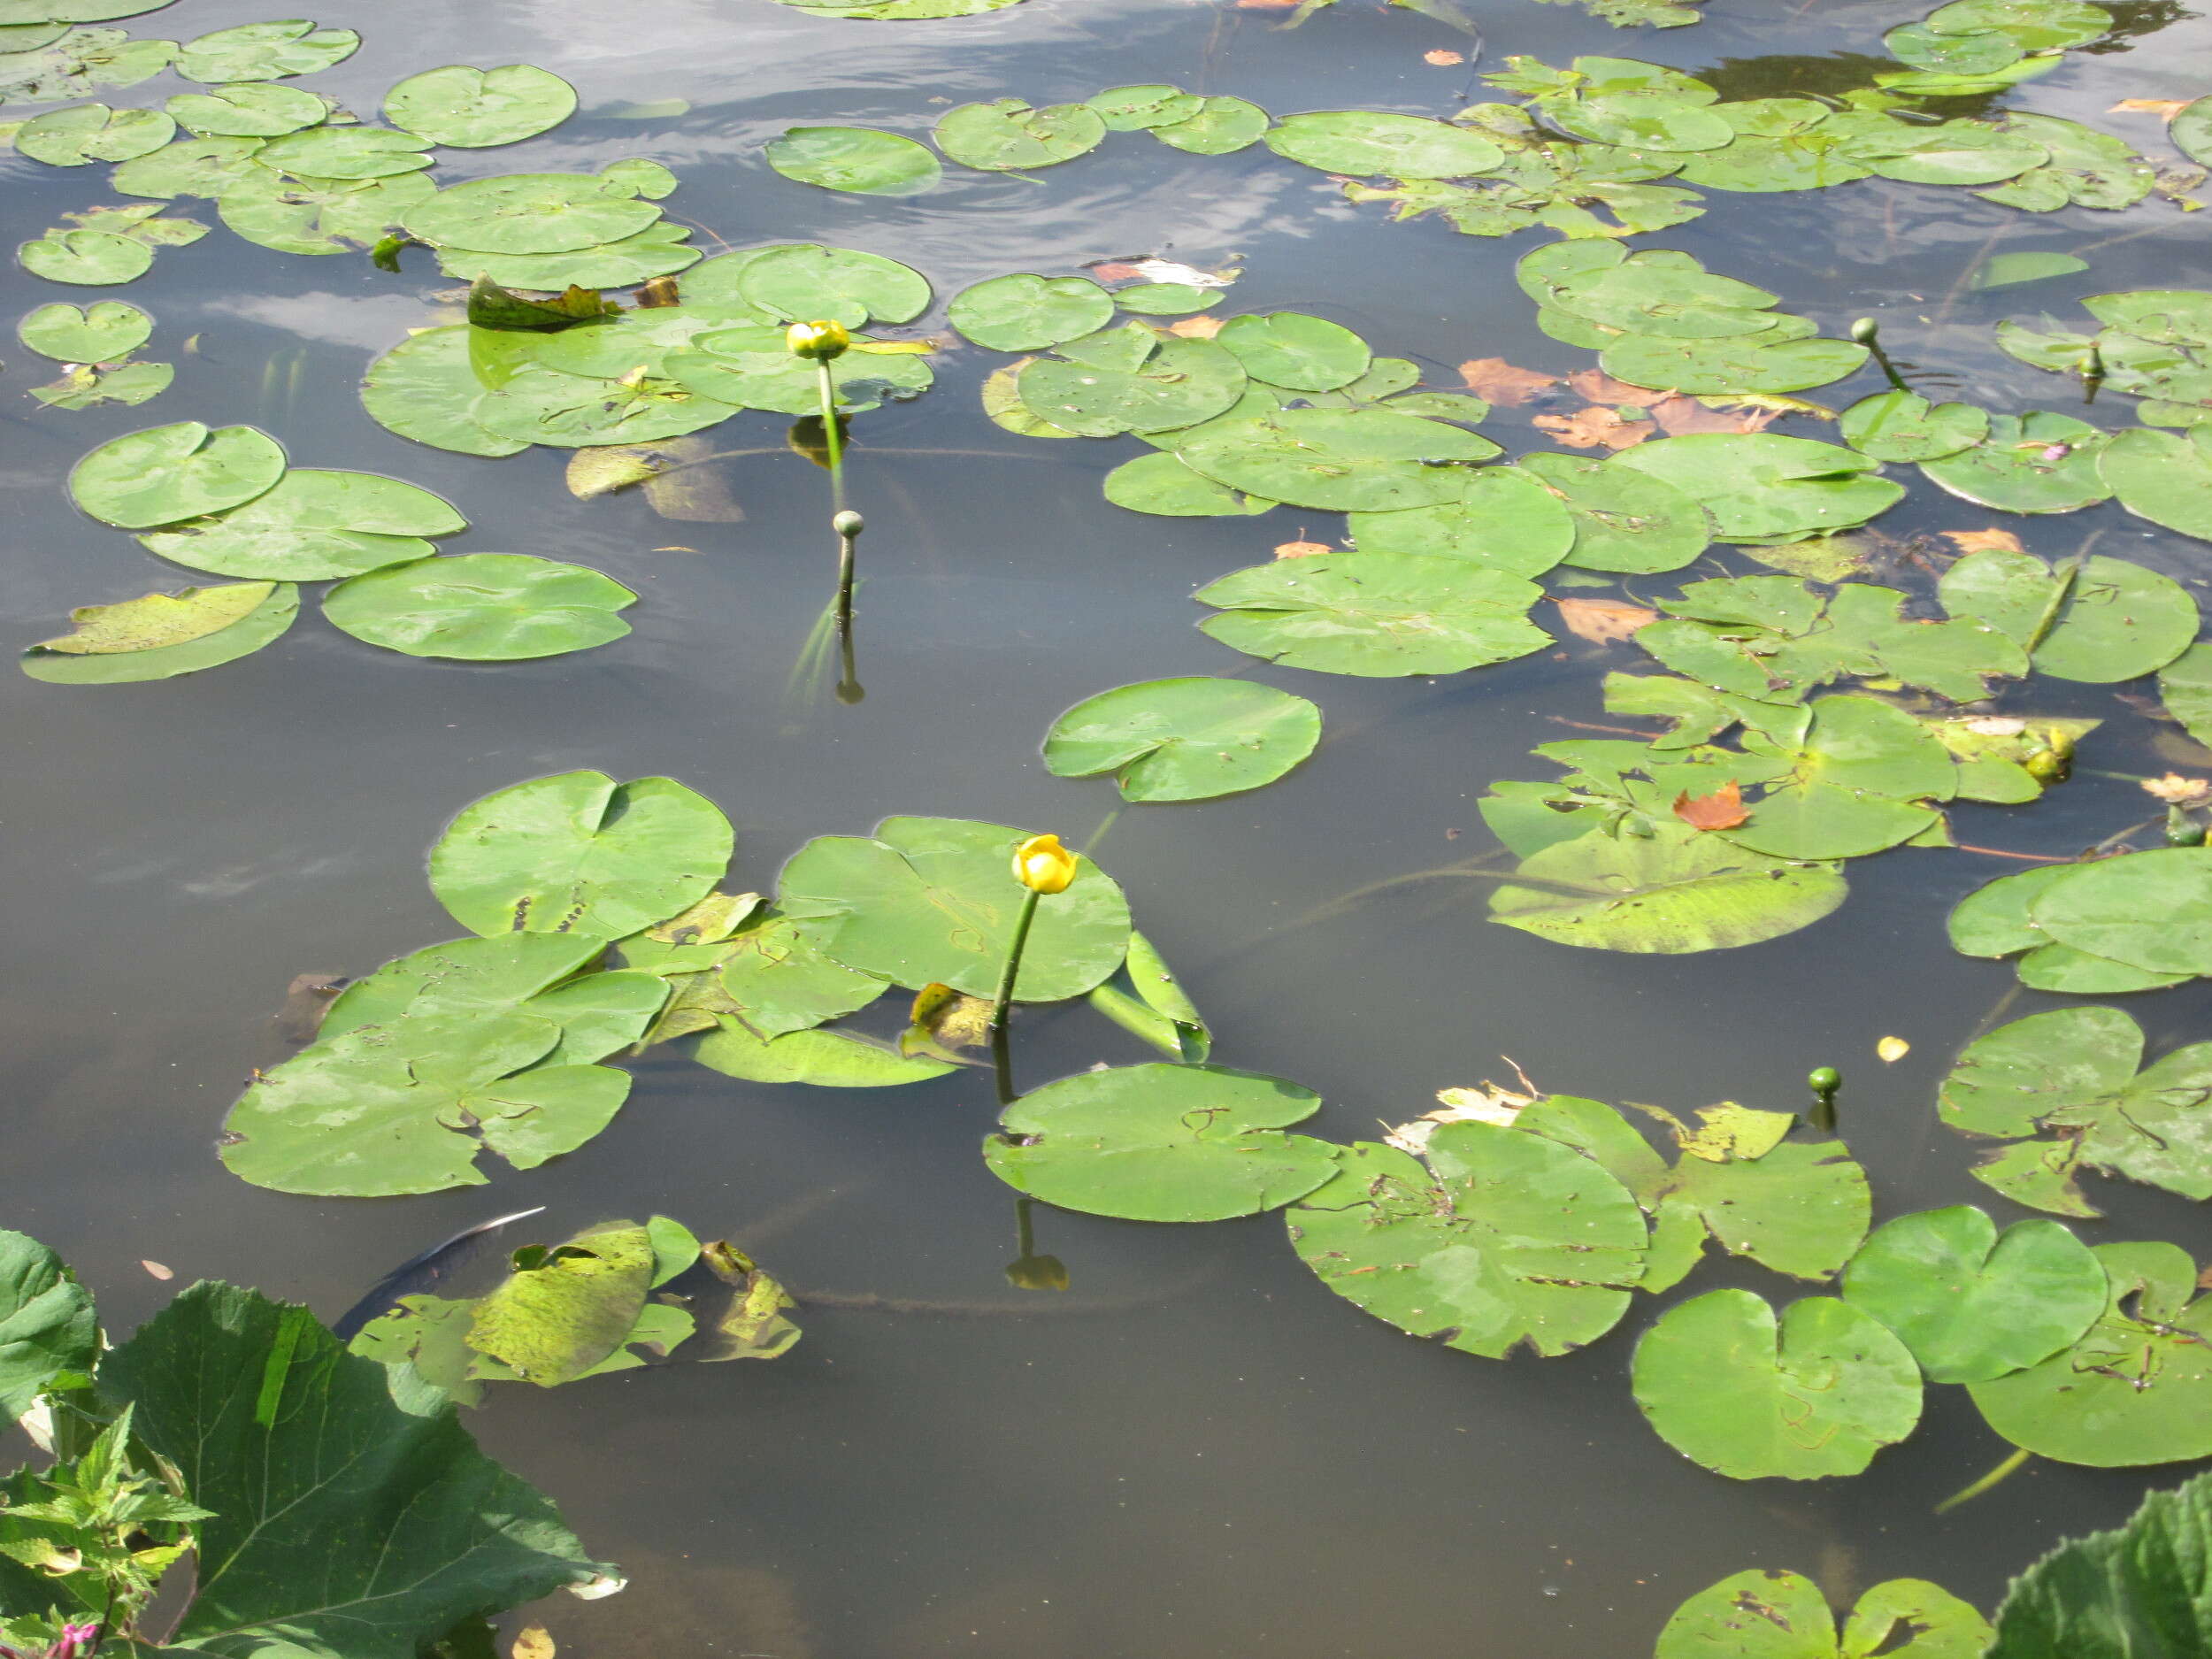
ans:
(1302, 549)
(1442, 58)
(157, 1269)
(1724, 808)
(1679, 415)
(1601, 387)
(1596, 427)
(1195, 328)
(1602, 621)
(2165, 109)
(1499, 382)
(1984, 541)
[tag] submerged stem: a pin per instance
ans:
(1001, 1051)
(1966, 1493)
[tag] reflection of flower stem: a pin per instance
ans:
(1001, 1051)
(848, 525)
(1967, 1493)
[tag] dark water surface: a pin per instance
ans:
(1197, 1451)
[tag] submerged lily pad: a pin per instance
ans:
(1375, 614)
(933, 901)
(477, 108)
(1492, 1239)
(860, 160)
(481, 607)
(1161, 1143)
(578, 853)
(1817, 1394)
(1970, 1305)
(1184, 740)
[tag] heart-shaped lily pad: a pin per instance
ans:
(1184, 740)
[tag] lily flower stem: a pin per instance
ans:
(832, 440)
(845, 591)
(1889, 369)
(1001, 1005)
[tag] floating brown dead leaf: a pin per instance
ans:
(2165, 109)
(1442, 58)
(1724, 808)
(157, 1269)
(1195, 328)
(2176, 790)
(1602, 621)
(1984, 540)
(1601, 387)
(1679, 415)
(1499, 382)
(1302, 549)
(1596, 427)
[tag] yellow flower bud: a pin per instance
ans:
(1043, 865)
(818, 342)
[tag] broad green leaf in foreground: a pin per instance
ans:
(1971, 1305)
(1497, 1239)
(580, 853)
(1184, 740)
(1375, 614)
(1817, 1394)
(1161, 1143)
(1674, 892)
(352, 1513)
(2112, 1595)
(932, 901)
(1773, 1614)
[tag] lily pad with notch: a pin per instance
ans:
(479, 109)
(1130, 379)
(1008, 135)
(318, 216)
(265, 52)
(86, 133)
(1358, 460)
(1772, 1615)
(106, 331)
(1184, 740)
(254, 109)
(165, 474)
(313, 526)
(2106, 621)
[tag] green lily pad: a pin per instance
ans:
(1623, 519)
(84, 387)
(1641, 119)
(2040, 462)
(804, 282)
(105, 332)
(87, 133)
(826, 1059)
(1491, 1239)
(572, 411)
(2184, 686)
(1858, 784)
(1305, 354)
(752, 367)
(477, 108)
(933, 901)
(190, 166)
(657, 250)
(2191, 130)
(427, 388)
(560, 1319)
(1371, 143)
(319, 216)
(164, 474)
(1161, 1143)
(1905, 426)
(2135, 1390)
(1024, 312)
(1221, 126)
(1184, 740)
(860, 160)
(92, 258)
(1674, 892)
(265, 52)
(1972, 1306)
(1770, 1615)
(254, 109)
(481, 608)
(346, 152)
(2033, 25)
(1359, 460)
(1375, 614)
(2115, 620)
(528, 213)
(1007, 134)
(1952, 152)
(370, 1114)
(1165, 299)
(1136, 109)
(1506, 518)
(534, 974)
(1737, 365)
(1817, 1394)
(778, 982)
(1162, 484)
(2165, 477)
(314, 526)
(578, 853)
(1763, 484)
(264, 622)
(1129, 379)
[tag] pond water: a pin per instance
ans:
(1194, 1450)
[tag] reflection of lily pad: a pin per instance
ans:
(1184, 740)
(1375, 614)
(1496, 1240)
(1161, 1143)
(1817, 1394)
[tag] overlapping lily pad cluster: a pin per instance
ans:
(594, 375)
(2156, 345)
(226, 501)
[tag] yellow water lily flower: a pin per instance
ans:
(817, 342)
(1043, 865)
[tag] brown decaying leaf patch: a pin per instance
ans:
(1442, 58)
(1601, 387)
(1724, 808)
(1984, 540)
(1679, 415)
(1596, 427)
(1302, 549)
(1499, 382)
(2165, 109)
(157, 1269)
(1195, 328)
(1602, 621)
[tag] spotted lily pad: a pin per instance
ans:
(1375, 614)
(1161, 1143)
(185, 652)
(1184, 740)
(1623, 519)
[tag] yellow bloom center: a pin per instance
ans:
(1043, 865)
